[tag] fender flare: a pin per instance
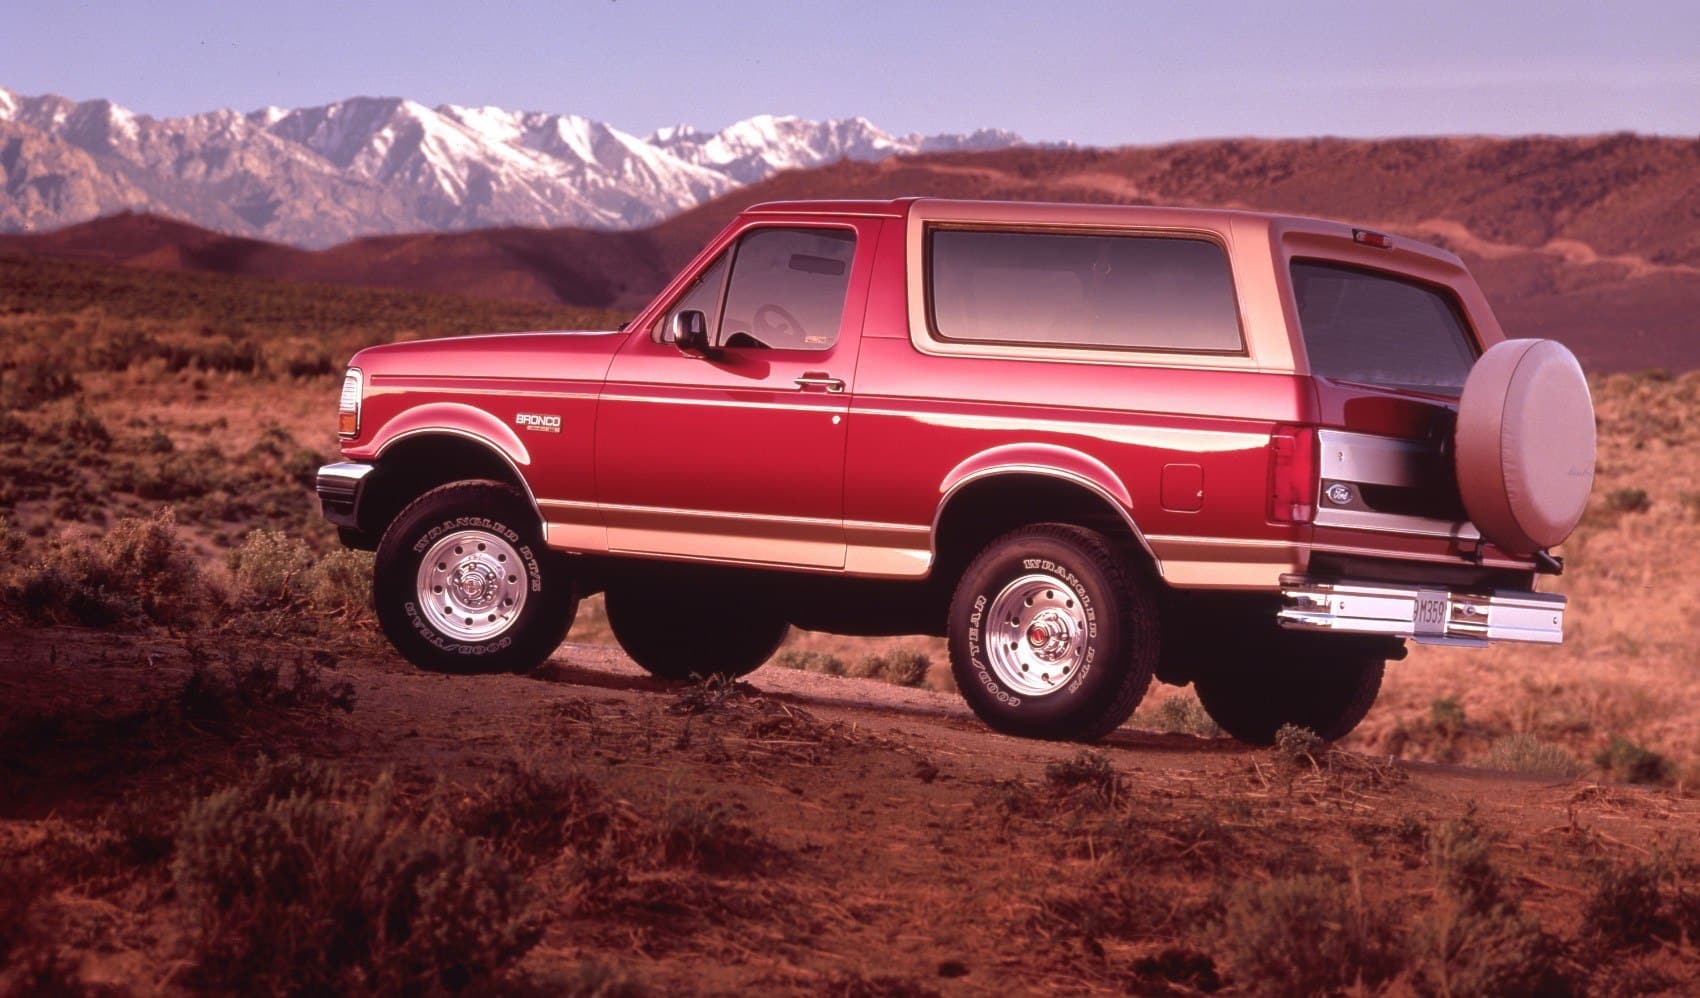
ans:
(456, 419)
(1050, 461)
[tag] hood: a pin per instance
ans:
(547, 356)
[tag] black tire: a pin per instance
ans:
(495, 520)
(694, 631)
(1106, 667)
(1327, 692)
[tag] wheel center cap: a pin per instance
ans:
(475, 584)
(1050, 635)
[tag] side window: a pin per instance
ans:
(1106, 292)
(787, 289)
(704, 296)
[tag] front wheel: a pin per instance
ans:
(463, 583)
(1051, 636)
(1325, 691)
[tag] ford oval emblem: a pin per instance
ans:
(1340, 494)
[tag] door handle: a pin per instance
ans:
(822, 379)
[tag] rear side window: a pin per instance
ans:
(1377, 329)
(1102, 292)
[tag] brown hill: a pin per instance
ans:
(1594, 241)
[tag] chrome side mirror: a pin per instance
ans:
(690, 333)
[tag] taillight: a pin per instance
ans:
(348, 409)
(1292, 474)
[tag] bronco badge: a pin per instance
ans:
(540, 422)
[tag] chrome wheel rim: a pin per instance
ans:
(471, 585)
(1036, 635)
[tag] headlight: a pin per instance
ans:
(348, 410)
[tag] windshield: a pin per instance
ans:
(1374, 328)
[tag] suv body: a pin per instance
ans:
(838, 409)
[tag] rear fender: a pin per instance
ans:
(1049, 460)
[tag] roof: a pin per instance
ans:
(1041, 212)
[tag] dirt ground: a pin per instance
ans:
(882, 840)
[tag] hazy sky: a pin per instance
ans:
(1101, 73)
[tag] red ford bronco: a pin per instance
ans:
(1090, 445)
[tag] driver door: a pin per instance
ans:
(740, 456)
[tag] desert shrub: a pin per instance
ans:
(1306, 935)
(1625, 908)
(1528, 754)
(138, 571)
(342, 582)
(705, 834)
(901, 666)
(209, 351)
(1088, 777)
(271, 567)
(1461, 855)
(1296, 746)
(81, 430)
(538, 810)
(11, 539)
(1499, 952)
(1184, 715)
(1633, 763)
(1447, 716)
(225, 691)
(1628, 500)
(35, 380)
(173, 477)
(812, 661)
(314, 887)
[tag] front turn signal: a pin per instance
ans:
(348, 409)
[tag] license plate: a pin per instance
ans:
(1431, 612)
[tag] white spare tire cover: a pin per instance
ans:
(1525, 444)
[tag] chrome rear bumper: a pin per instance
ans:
(1430, 615)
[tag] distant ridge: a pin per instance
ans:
(1594, 241)
(317, 176)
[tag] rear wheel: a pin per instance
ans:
(695, 632)
(1050, 636)
(1327, 692)
(463, 583)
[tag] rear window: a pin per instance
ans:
(1373, 328)
(1081, 290)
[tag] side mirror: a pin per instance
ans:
(690, 333)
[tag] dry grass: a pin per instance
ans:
(1627, 670)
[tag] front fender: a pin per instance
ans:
(456, 418)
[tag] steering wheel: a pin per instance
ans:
(774, 322)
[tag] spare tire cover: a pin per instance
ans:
(1525, 444)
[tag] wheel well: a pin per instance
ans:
(415, 466)
(983, 509)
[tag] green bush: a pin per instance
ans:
(1632, 763)
(1628, 500)
(300, 884)
(341, 582)
(139, 571)
(1306, 935)
(1184, 715)
(272, 567)
(811, 661)
(1528, 754)
(901, 666)
(35, 380)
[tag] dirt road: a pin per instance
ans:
(854, 837)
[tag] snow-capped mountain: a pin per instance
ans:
(364, 166)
